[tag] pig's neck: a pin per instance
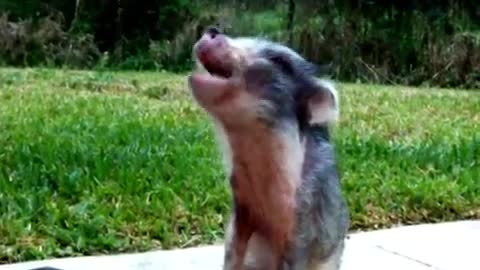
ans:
(265, 164)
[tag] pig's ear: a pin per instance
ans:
(323, 104)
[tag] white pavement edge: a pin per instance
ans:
(443, 246)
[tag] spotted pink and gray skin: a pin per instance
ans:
(272, 116)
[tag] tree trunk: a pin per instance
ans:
(290, 17)
(77, 9)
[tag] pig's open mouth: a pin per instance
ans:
(218, 70)
(211, 82)
(215, 63)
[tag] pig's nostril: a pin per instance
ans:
(213, 31)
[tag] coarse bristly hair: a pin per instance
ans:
(273, 115)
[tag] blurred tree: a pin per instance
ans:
(290, 19)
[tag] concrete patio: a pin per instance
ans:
(446, 246)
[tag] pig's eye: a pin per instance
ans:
(282, 63)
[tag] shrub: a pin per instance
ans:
(44, 42)
(410, 47)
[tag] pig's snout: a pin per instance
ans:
(211, 43)
(213, 53)
(213, 32)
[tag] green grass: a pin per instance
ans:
(111, 162)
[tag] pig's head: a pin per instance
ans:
(241, 81)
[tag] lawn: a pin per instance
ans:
(106, 162)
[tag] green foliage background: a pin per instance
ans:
(394, 42)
